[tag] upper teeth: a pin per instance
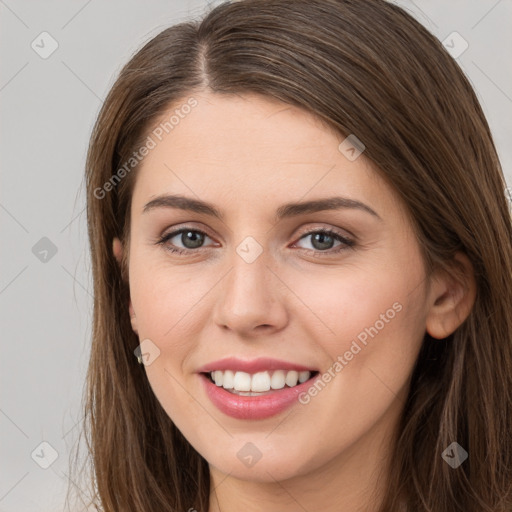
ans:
(258, 382)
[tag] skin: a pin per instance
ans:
(248, 155)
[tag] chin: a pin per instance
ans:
(265, 464)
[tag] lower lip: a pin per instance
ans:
(254, 407)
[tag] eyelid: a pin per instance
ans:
(306, 231)
(186, 226)
(344, 233)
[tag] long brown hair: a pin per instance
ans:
(363, 67)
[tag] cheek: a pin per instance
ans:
(370, 324)
(166, 299)
(171, 312)
(372, 330)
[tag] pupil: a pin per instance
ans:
(321, 238)
(194, 237)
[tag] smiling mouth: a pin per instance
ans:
(260, 383)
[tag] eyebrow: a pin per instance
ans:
(284, 211)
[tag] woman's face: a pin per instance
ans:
(261, 288)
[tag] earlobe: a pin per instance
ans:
(451, 298)
(133, 318)
(117, 248)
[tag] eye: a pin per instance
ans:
(322, 241)
(190, 238)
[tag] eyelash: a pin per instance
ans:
(346, 243)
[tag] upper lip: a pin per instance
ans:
(252, 366)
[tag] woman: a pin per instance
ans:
(301, 251)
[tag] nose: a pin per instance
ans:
(251, 298)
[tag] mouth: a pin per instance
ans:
(256, 396)
(260, 383)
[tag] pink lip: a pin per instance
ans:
(254, 407)
(253, 366)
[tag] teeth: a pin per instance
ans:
(291, 378)
(218, 378)
(278, 379)
(242, 382)
(260, 382)
(246, 384)
(228, 380)
(304, 376)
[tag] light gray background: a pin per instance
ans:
(48, 107)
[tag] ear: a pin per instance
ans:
(117, 248)
(451, 298)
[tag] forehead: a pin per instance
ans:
(229, 147)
